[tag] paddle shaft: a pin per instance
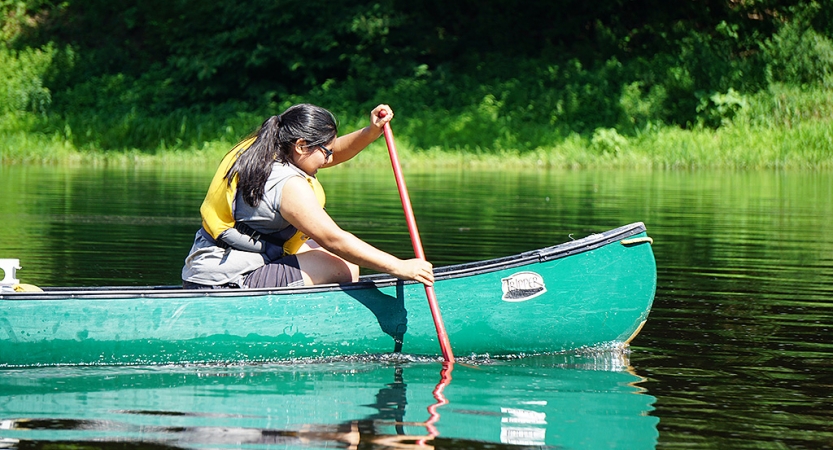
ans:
(445, 346)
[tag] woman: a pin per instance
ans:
(265, 201)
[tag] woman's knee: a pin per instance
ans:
(354, 271)
(321, 267)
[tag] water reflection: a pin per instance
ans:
(737, 349)
(584, 401)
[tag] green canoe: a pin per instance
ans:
(592, 292)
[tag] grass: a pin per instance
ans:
(807, 145)
(782, 128)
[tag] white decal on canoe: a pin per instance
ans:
(522, 286)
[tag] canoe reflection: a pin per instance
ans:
(349, 436)
(572, 401)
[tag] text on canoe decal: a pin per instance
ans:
(522, 286)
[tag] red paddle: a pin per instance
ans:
(412, 228)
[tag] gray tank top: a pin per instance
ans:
(211, 265)
(266, 217)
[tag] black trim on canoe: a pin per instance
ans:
(564, 250)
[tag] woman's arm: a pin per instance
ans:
(234, 238)
(349, 145)
(300, 207)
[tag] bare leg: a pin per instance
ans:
(318, 266)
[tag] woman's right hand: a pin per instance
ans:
(416, 269)
(377, 121)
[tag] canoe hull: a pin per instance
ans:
(593, 292)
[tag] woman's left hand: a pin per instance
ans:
(379, 122)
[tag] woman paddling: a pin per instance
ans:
(264, 202)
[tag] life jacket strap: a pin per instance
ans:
(279, 238)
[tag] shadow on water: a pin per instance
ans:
(549, 401)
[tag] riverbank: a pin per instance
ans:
(748, 90)
(807, 145)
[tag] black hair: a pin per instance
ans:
(276, 139)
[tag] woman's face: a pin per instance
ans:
(311, 158)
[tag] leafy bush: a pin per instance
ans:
(719, 109)
(607, 141)
(22, 80)
(156, 75)
(797, 54)
(785, 106)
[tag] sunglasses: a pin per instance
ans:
(327, 152)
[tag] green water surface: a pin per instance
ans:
(737, 352)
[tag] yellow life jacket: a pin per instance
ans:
(217, 209)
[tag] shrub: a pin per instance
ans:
(22, 80)
(797, 54)
(719, 109)
(607, 141)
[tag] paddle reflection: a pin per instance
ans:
(434, 415)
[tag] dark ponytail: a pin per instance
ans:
(275, 141)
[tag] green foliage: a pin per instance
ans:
(718, 109)
(640, 107)
(607, 141)
(784, 106)
(19, 143)
(799, 55)
(22, 80)
(483, 77)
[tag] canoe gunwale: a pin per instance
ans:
(563, 250)
(554, 252)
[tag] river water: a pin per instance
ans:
(737, 351)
